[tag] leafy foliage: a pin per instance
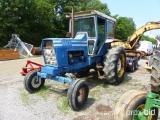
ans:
(37, 19)
(124, 28)
(148, 39)
(32, 20)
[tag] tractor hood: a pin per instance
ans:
(56, 50)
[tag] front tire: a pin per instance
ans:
(130, 104)
(115, 65)
(78, 94)
(31, 84)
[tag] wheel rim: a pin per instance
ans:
(34, 83)
(140, 109)
(121, 65)
(82, 94)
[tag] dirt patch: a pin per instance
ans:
(83, 117)
(103, 108)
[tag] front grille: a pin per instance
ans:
(50, 56)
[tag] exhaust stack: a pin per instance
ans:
(72, 28)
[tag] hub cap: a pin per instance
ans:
(36, 83)
(121, 65)
(140, 109)
(81, 96)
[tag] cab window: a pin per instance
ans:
(110, 29)
(85, 25)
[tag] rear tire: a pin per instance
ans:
(129, 105)
(155, 73)
(78, 94)
(30, 83)
(115, 65)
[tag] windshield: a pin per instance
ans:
(85, 25)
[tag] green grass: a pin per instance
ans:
(44, 92)
(25, 98)
(95, 93)
(62, 104)
(110, 90)
(2, 48)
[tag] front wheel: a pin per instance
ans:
(31, 83)
(78, 94)
(131, 104)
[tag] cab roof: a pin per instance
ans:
(91, 12)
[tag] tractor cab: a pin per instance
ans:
(98, 28)
(89, 41)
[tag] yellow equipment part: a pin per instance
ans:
(132, 43)
(148, 67)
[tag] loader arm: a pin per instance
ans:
(135, 37)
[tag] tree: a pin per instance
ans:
(124, 28)
(37, 19)
(64, 7)
(148, 39)
(32, 20)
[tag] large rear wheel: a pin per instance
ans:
(155, 73)
(115, 65)
(131, 104)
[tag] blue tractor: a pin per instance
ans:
(89, 49)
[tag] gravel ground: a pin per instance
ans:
(50, 103)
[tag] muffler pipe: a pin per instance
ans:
(72, 28)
